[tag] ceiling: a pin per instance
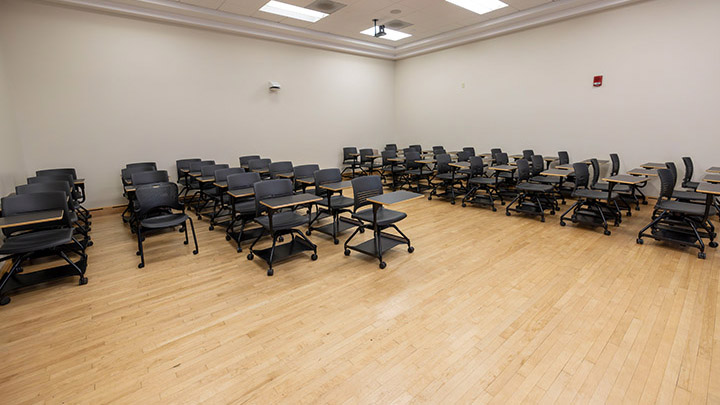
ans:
(435, 24)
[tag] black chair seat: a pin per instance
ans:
(35, 241)
(384, 216)
(338, 201)
(163, 221)
(506, 175)
(689, 195)
(685, 207)
(546, 179)
(485, 180)
(449, 176)
(535, 188)
(593, 194)
(416, 172)
(214, 191)
(282, 220)
(620, 188)
(245, 207)
(393, 169)
(691, 185)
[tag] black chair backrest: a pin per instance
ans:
(464, 156)
(364, 155)
(417, 148)
(528, 154)
(242, 180)
(438, 150)
(326, 176)
(673, 170)
(245, 159)
(197, 166)
(280, 167)
(477, 166)
(184, 164)
(410, 160)
(266, 189)
(537, 164)
(33, 202)
(391, 146)
(689, 170)
(55, 177)
(364, 188)
(443, 163)
(582, 175)
(469, 150)
(347, 151)
(152, 165)
(222, 174)
(563, 158)
(209, 170)
(129, 171)
(667, 183)
(52, 172)
(155, 176)
(615, 168)
(495, 151)
(259, 164)
(523, 170)
(502, 158)
(151, 198)
(303, 171)
(57, 185)
(388, 154)
(596, 172)
(408, 150)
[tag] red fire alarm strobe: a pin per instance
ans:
(597, 81)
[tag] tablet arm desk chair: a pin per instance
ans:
(413, 169)
(688, 183)
(244, 160)
(528, 154)
(78, 190)
(478, 181)
(350, 160)
(623, 190)
(416, 148)
(73, 197)
(469, 150)
(679, 222)
(261, 166)
(377, 218)
(242, 205)
(438, 150)
(183, 178)
(684, 195)
(278, 169)
(391, 167)
(38, 224)
(391, 147)
(532, 198)
(536, 169)
(221, 199)
(332, 205)
(448, 177)
(304, 176)
(367, 161)
(208, 193)
(592, 206)
(278, 223)
(154, 210)
(194, 185)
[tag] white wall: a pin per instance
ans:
(96, 91)
(533, 89)
(11, 163)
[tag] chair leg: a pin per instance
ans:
(516, 199)
(81, 272)
(186, 233)
(192, 228)
(270, 271)
(140, 247)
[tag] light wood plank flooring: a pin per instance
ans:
(488, 309)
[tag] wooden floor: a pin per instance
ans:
(488, 309)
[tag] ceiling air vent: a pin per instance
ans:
(325, 6)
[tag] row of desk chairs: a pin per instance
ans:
(44, 218)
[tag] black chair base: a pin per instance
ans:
(593, 213)
(531, 204)
(379, 244)
(183, 228)
(284, 251)
(679, 230)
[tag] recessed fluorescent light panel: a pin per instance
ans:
(288, 10)
(479, 6)
(389, 34)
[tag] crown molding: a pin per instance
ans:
(175, 12)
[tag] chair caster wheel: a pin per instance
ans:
(250, 256)
(507, 213)
(347, 252)
(336, 241)
(314, 256)
(607, 232)
(639, 241)
(83, 280)
(411, 249)
(270, 272)
(4, 300)
(701, 255)
(429, 197)
(196, 251)
(227, 238)
(629, 213)
(199, 217)
(141, 265)
(90, 243)
(463, 205)
(452, 202)
(383, 265)
(362, 230)
(494, 209)
(239, 249)
(552, 212)
(212, 228)
(562, 223)
(185, 242)
(542, 219)
(713, 244)
(137, 253)
(308, 232)
(643, 203)
(281, 239)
